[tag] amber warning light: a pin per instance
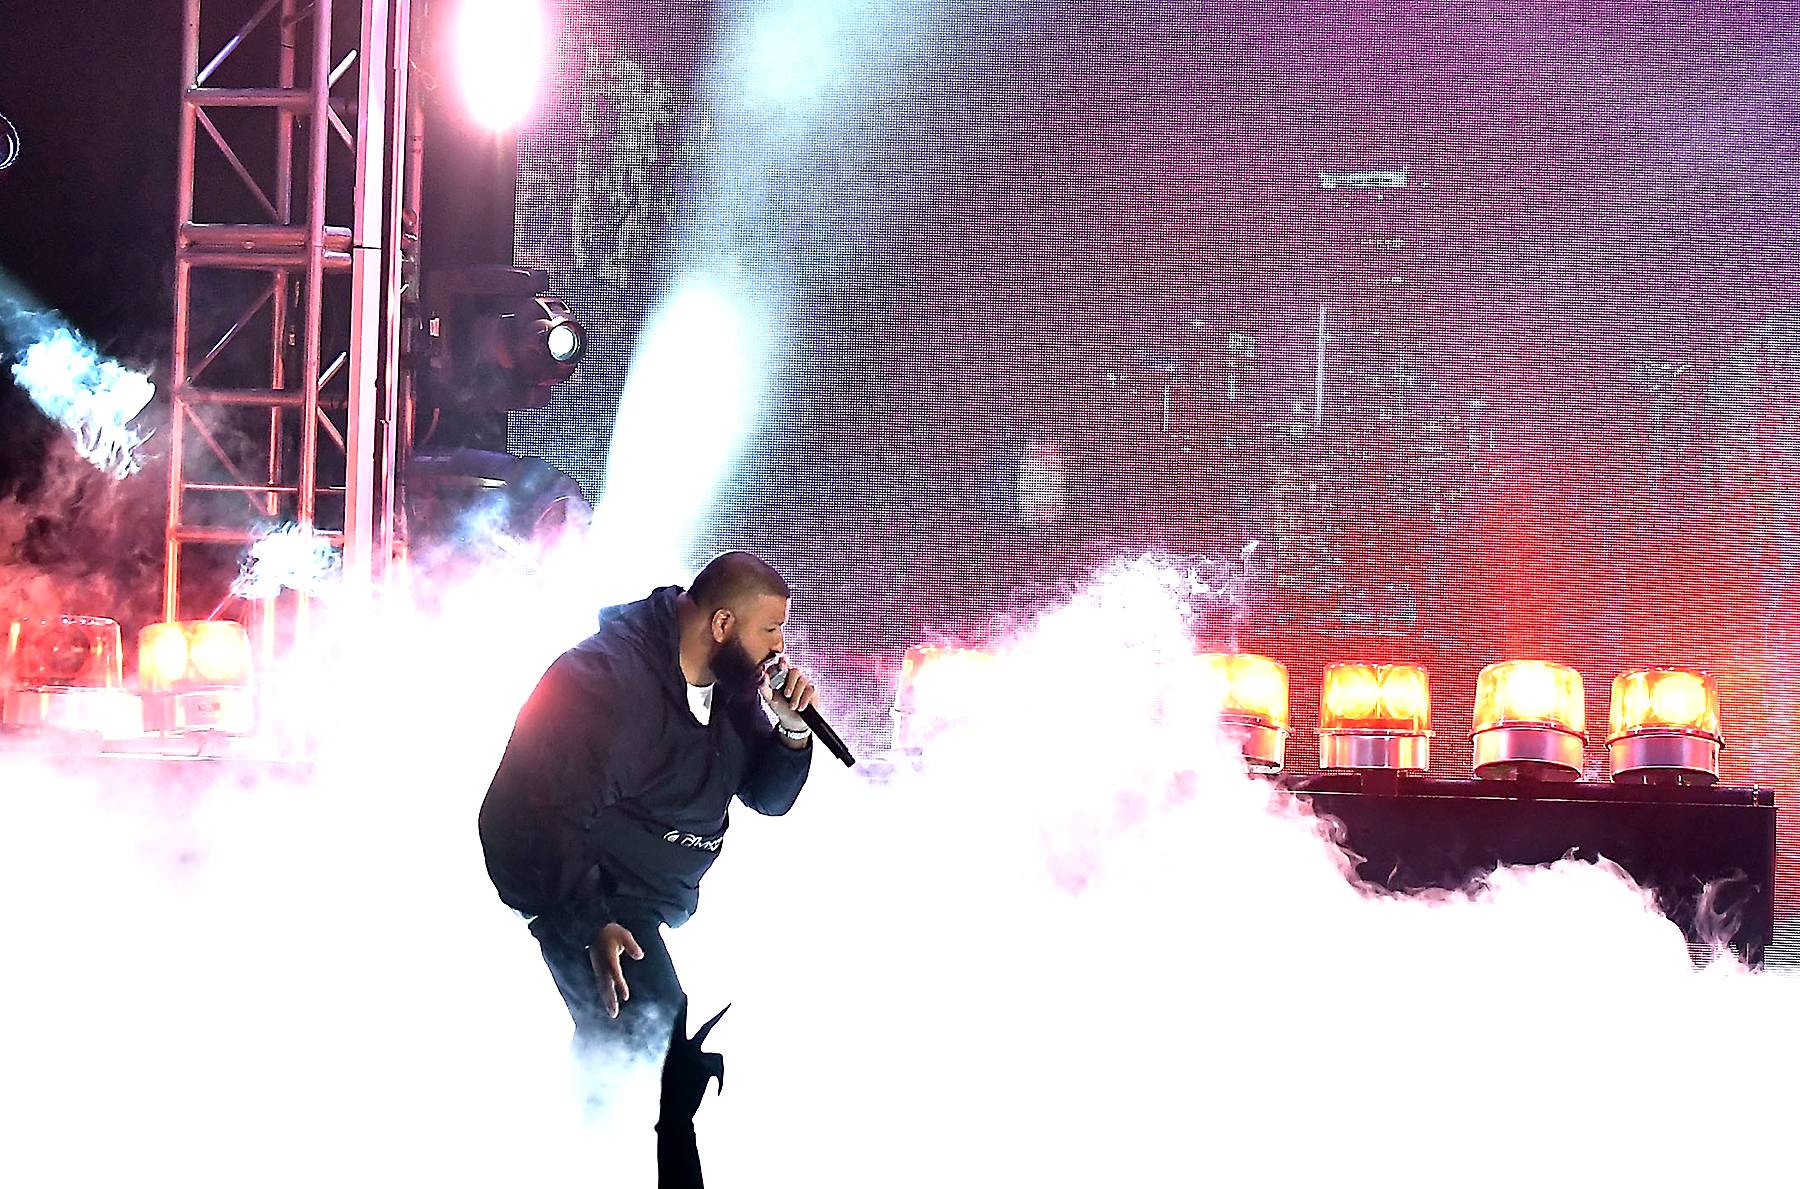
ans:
(1252, 694)
(195, 676)
(1375, 716)
(940, 686)
(1530, 716)
(1664, 724)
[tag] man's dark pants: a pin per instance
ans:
(642, 1028)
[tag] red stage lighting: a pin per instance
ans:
(64, 672)
(64, 651)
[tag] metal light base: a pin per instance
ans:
(228, 711)
(1374, 749)
(1264, 746)
(1546, 752)
(1690, 758)
(113, 713)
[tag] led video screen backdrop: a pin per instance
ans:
(1444, 343)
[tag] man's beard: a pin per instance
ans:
(733, 669)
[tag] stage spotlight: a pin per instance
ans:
(540, 341)
(64, 672)
(566, 341)
(1665, 723)
(195, 676)
(499, 48)
(1252, 694)
(1375, 716)
(1529, 716)
(497, 339)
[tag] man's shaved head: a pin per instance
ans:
(732, 578)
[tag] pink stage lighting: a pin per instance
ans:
(499, 55)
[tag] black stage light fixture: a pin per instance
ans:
(496, 339)
(482, 504)
(540, 341)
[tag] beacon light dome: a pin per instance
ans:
(1251, 692)
(1530, 717)
(64, 673)
(1375, 716)
(1663, 723)
(195, 675)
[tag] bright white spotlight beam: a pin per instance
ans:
(691, 393)
(499, 50)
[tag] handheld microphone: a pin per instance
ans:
(775, 669)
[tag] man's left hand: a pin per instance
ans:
(797, 693)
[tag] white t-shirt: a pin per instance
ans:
(700, 698)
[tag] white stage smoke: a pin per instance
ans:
(271, 975)
(292, 557)
(94, 398)
(1075, 947)
(1079, 947)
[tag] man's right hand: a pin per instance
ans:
(609, 943)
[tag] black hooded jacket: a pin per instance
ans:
(611, 792)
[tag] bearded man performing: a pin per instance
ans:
(611, 800)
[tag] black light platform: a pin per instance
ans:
(1708, 853)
